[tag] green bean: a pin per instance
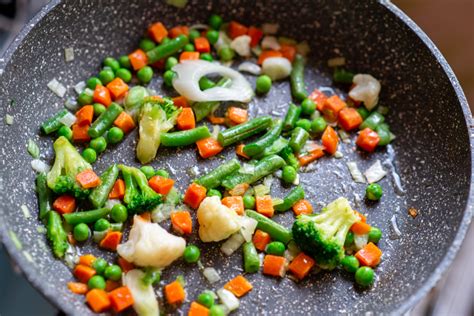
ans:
(105, 120)
(342, 76)
(203, 109)
(44, 195)
(289, 157)
(206, 83)
(298, 89)
(275, 230)
(363, 112)
(56, 234)
(244, 130)
(384, 134)
(86, 217)
(291, 117)
(184, 138)
(295, 195)
(298, 138)
(100, 194)
(214, 178)
(372, 121)
(251, 259)
(274, 149)
(53, 124)
(264, 167)
(265, 141)
(167, 49)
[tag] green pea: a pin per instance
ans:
(191, 254)
(364, 276)
(112, 63)
(99, 144)
(66, 132)
(162, 173)
(96, 282)
(214, 192)
(145, 74)
(206, 298)
(170, 62)
(249, 202)
(226, 53)
(215, 21)
(308, 107)
(146, 44)
(148, 171)
(276, 248)
(124, 74)
(363, 112)
(189, 47)
(168, 77)
(113, 272)
(216, 310)
(375, 235)
(85, 99)
(81, 232)
(263, 84)
(289, 174)
(206, 56)
(124, 62)
(92, 82)
(119, 213)
(304, 124)
(349, 240)
(99, 265)
(165, 40)
(99, 109)
(115, 135)
(89, 155)
(101, 225)
(318, 125)
(373, 192)
(212, 36)
(106, 75)
(193, 34)
(350, 264)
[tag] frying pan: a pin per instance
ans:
(429, 114)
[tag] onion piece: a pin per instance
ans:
(270, 42)
(366, 89)
(251, 68)
(248, 226)
(97, 236)
(71, 104)
(199, 26)
(223, 41)
(9, 119)
(356, 175)
(190, 71)
(144, 299)
(215, 131)
(276, 68)
(211, 275)
(395, 225)
(57, 88)
(71, 257)
(261, 190)
(79, 87)
(336, 62)
(68, 119)
(26, 211)
(111, 202)
(228, 299)
(268, 181)
(69, 54)
(40, 166)
(375, 172)
(232, 244)
(361, 240)
(241, 45)
(270, 28)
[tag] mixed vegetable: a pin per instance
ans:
(232, 203)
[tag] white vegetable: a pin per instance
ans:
(292, 251)
(395, 226)
(111, 202)
(270, 42)
(268, 181)
(211, 275)
(361, 240)
(248, 227)
(241, 45)
(357, 176)
(9, 119)
(69, 54)
(68, 119)
(270, 28)
(57, 88)
(366, 89)
(26, 211)
(276, 68)
(228, 299)
(338, 155)
(375, 172)
(216, 221)
(215, 131)
(89, 92)
(150, 245)
(144, 300)
(187, 82)
(40, 166)
(98, 236)
(232, 244)
(223, 41)
(336, 62)
(71, 104)
(79, 87)
(249, 67)
(71, 257)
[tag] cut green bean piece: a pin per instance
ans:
(86, 217)
(275, 230)
(100, 194)
(289, 157)
(56, 234)
(295, 195)
(342, 76)
(265, 141)
(298, 89)
(298, 138)
(53, 124)
(166, 49)
(244, 130)
(44, 194)
(251, 259)
(274, 149)
(184, 138)
(214, 178)
(105, 120)
(291, 117)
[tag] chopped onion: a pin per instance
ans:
(268, 181)
(270, 42)
(248, 226)
(69, 54)
(292, 251)
(57, 88)
(89, 92)
(361, 240)
(79, 87)
(98, 236)
(162, 212)
(338, 155)
(228, 299)
(71, 104)
(71, 257)
(249, 67)
(261, 190)
(375, 172)
(366, 89)
(270, 28)
(297, 180)
(247, 168)
(232, 244)
(110, 203)
(8, 119)
(357, 176)
(68, 119)
(223, 41)
(344, 136)
(26, 211)
(211, 275)
(336, 62)
(278, 173)
(40, 166)
(276, 68)
(241, 45)
(215, 131)
(33, 149)
(303, 48)
(190, 71)
(395, 225)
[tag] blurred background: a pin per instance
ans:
(448, 23)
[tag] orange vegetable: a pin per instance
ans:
(161, 185)
(87, 260)
(121, 299)
(235, 203)
(70, 239)
(197, 309)
(182, 222)
(186, 119)
(111, 240)
(77, 287)
(181, 102)
(178, 30)
(64, 204)
(369, 255)
(332, 107)
(208, 147)
(118, 190)
(302, 207)
(188, 56)
(174, 293)
(361, 216)
(264, 205)
(261, 239)
(138, 59)
(237, 115)
(239, 150)
(160, 64)
(157, 32)
(83, 273)
(125, 265)
(117, 88)
(368, 139)
(80, 133)
(216, 119)
(88, 179)
(125, 122)
(194, 195)
(301, 265)
(360, 228)
(202, 45)
(236, 29)
(312, 155)
(85, 115)
(239, 286)
(330, 140)
(255, 34)
(349, 119)
(102, 95)
(239, 189)
(267, 54)
(98, 300)
(146, 216)
(288, 51)
(274, 265)
(111, 285)
(319, 98)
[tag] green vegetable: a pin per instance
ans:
(96, 282)
(124, 74)
(244, 130)
(249, 202)
(185, 138)
(265, 141)
(146, 44)
(145, 74)
(277, 146)
(263, 84)
(98, 110)
(119, 213)
(275, 230)
(215, 21)
(206, 299)
(135, 97)
(295, 195)
(112, 63)
(308, 107)
(349, 241)
(364, 276)
(214, 192)
(318, 125)
(287, 154)
(206, 56)
(189, 48)
(193, 34)
(168, 77)
(148, 171)
(113, 272)
(363, 112)
(276, 248)
(203, 109)
(373, 192)
(251, 259)
(33, 148)
(124, 62)
(81, 232)
(152, 276)
(342, 76)
(170, 62)
(99, 265)
(100, 194)
(84, 98)
(86, 217)
(291, 117)
(191, 254)
(384, 134)
(99, 144)
(304, 124)
(66, 132)
(214, 178)
(226, 53)
(44, 195)
(167, 49)
(106, 75)
(350, 264)
(53, 124)
(212, 36)
(105, 120)
(56, 234)
(216, 310)
(92, 82)
(101, 225)
(298, 89)
(375, 235)
(298, 138)
(206, 83)
(89, 155)
(289, 174)
(115, 135)
(162, 173)
(372, 121)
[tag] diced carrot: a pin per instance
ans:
(178, 30)
(197, 309)
(64, 204)
(360, 228)
(125, 122)
(117, 88)
(157, 32)
(274, 265)
(332, 107)
(125, 265)
(160, 64)
(174, 293)
(288, 51)
(369, 255)
(138, 59)
(330, 140)
(87, 259)
(111, 285)
(88, 179)
(264, 205)
(118, 190)
(239, 189)
(121, 298)
(111, 240)
(208, 147)
(261, 239)
(182, 222)
(98, 300)
(216, 119)
(77, 287)
(194, 195)
(368, 139)
(268, 54)
(83, 273)
(85, 115)
(188, 56)
(239, 286)
(301, 265)
(235, 203)
(181, 102)
(102, 95)
(160, 184)
(236, 29)
(202, 45)
(349, 119)
(311, 156)
(302, 207)
(186, 119)
(239, 150)
(146, 216)
(80, 133)
(319, 98)
(255, 34)
(237, 115)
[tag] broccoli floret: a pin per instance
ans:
(138, 194)
(322, 235)
(67, 164)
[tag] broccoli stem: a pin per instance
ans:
(44, 195)
(56, 234)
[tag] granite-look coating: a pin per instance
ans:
(429, 114)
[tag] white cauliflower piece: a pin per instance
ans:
(366, 89)
(241, 44)
(216, 221)
(149, 245)
(276, 68)
(270, 42)
(144, 299)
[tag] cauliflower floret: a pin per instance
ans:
(216, 221)
(366, 89)
(241, 44)
(149, 245)
(144, 299)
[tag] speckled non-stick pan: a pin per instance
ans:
(428, 113)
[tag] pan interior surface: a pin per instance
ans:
(431, 154)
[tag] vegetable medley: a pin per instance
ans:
(232, 203)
